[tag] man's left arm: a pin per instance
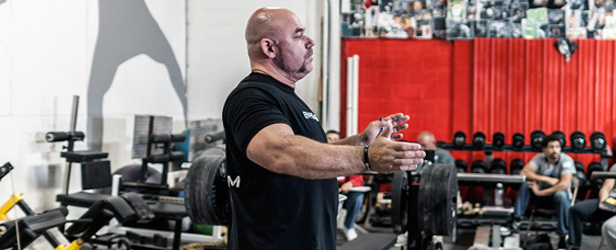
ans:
(369, 134)
(563, 184)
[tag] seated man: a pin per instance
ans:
(354, 199)
(608, 231)
(352, 204)
(548, 176)
(426, 139)
(589, 210)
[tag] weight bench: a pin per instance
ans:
(99, 215)
(372, 241)
(31, 227)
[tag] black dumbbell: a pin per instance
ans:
(561, 137)
(461, 165)
(536, 139)
(459, 139)
(578, 140)
(498, 166)
(479, 140)
(479, 167)
(597, 141)
(498, 140)
(516, 166)
(594, 166)
(517, 141)
(580, 173)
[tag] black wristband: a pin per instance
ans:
(366, 158)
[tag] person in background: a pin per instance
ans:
(332, 135)
(426, 140)
(548, 183)
(589, 210)
(608, 231)
(354, 200)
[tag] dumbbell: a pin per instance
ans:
(516, 166)
(517, 141)
(479, 167)
(536, 139)
(580, 173)
(498, 140)
(597, 141)
(479, 140)
(594, 166)
(578, 140)
(459, 139)
(461, 165)
(498, 166)
(561, 137)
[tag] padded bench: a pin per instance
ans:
(371, 241)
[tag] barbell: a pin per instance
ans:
(436, 200)
(207, 195)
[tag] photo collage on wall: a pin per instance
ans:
(467, 19)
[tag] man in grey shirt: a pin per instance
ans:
(589, 210)
(548, 176)
(426, 139)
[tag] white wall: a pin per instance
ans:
(217, 58)
(46, 53)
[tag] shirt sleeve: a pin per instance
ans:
(444, 156)
(534, 162)
(251, 110)
(568, 167)
(357, 180)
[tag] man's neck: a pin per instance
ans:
(274, 74)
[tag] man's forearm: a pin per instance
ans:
(551, 190)
(356, 140)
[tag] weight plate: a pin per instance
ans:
(437, 199)
(206, 190)
(399, 202)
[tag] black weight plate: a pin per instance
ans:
(436, 202)
(399, 202)
(449, 192)
(206, 191)
(218, 192)
(423, 199)
(437, 199)
(433, 209)
(193, 197)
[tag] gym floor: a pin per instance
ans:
(466, 237)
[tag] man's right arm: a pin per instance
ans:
(529, 172)
(604, 192)
(279, 150)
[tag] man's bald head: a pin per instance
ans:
(264, 23)
(278, 46)
(426, 139)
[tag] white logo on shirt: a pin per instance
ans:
(233, 183)
(310, 115)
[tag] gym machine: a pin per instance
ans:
(21, 232)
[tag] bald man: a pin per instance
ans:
(281, 172)
(426, 140)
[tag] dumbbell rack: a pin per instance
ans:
(489, 149)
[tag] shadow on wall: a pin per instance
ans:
(126, 29)
(2, 1)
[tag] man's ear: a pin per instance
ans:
(268, 47)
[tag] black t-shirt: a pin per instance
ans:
(270, 210)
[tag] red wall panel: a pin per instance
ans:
(488, 85)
